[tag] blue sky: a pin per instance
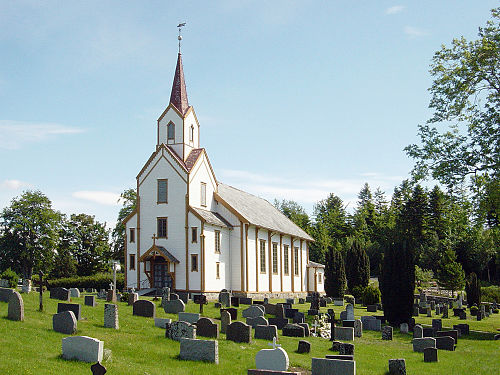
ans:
(296, 99)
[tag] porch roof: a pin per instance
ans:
(155, 251)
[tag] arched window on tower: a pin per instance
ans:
(170, 131)
(191, 134)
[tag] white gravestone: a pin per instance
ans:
(275, 359)
(82, 348)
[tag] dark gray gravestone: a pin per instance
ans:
(60, 294)
(343, 357)
(90, 301)
(428, 332)
(348, 323)
(346, 348)
(430, 355)
(179, 329)
(452, 333)
(304, 346)
(445, 343)
(371, 308)
(15, 310)
(266, 332)
(64, 322)
(75, 307)
(299, 317)
(5, 294)
(437, 325)
(235, 301)
(278, 322)
(98, 369)
(232, 311)
(397, 366)
(290, 313)
(207, 328)
(184, 296)
(239, 332)
(464, 328)
(386, 333)
(307, 331)
(144, 308)
(174, 296)
(258, 321)
(293, 330)
(246, 301)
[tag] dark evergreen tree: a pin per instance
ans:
(450, 274)
(397, 283)
(357, 267)
(335, 280)
(473, 290)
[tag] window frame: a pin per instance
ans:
(170, 125)
(158, 227)
(296, 261)
(158, 181)
(262, 254)
(194, 234)
(320, 278)
(194, 262)
(203, 194)
(217, 241)
(217, 270)
(286, 260)
(275, 258)
(131, 262)
(131, 238)
(191, 134)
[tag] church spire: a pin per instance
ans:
(178, 97)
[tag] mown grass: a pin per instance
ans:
(31, 347)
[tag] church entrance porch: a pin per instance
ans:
(159, 267)
(161, 276)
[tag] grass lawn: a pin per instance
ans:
(31, 347)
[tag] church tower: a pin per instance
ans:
(178, 127)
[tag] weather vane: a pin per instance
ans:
(179, 38)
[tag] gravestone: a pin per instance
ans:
(428, 332)
(188, 317)
(165, 295)
(430, 355)
(307, 331)
(386, 333)
(252, 312)
(420, 344)
(132, 298)
(304, 347)
(225, 299)
(371, 308)
(397, 366)
(343, 357)
(418, 331)
(258, 321)
(233, 312)
(184, 296)
(323, 366)
(5, 294)
(275, 359)
(290, 313)
(350, 312)
(111, 296)
(199, 350)
(74, 292)
(293, 330)
(445, 311)
(162, 322)
(82, 348)
(90, 301)
(239, 332)
(60, 294)
(205, 327)
(348, 323)
(266, 332)
(64, 322)
(278, 322)
(358, 328)
(144, 308)
(338, 302)
(246, 300)
(180, 329)
(464, 328)
(433, 305)
(403, 328)
(335, 346)
(98, 369)
(15, 310)
(370, 323)
(174, 306)
(235, 301)
(452, 333)
(415, 311)
(437, 325)
(111, 316)
(290, 301)
(299, 317)
(344, 333)
(302, 301)
(343, 315)
(174, 297)
(225, 320)
(445, 343)
(346, 348)
(75, 307)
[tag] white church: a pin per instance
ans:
(194, 234)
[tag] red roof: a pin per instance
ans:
(192, 157)
(178, 97)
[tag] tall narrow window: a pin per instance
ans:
(194, 262)
(285, 260)
(131, 262)
(132, 235)
(170, 131)
(191, 133)
(194, 235)
(162, 191)
(217, 241)
(275, 258)
(262, 256)
(296, 261)
(319, 278)
(203, 190)
(217, 270)
(162, 227)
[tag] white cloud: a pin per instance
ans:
(102, 197)
(15, 134)
(394, 9)
(14, 184)
(414, 32)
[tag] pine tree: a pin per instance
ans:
(335, 281)
(397, 283)
(473, 290)
(450, 274)
(357, 266)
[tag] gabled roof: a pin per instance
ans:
(258, 211)
(155, 251)
(210, 217)
(178, 96)
(192, 157)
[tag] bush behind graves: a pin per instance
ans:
(335, 280)
(357, 266)
(357, 291)
(97, 281)
(11, 276)
(349, 299)
(473, 310)
(371, 295)
(490, 294)
(473, 290)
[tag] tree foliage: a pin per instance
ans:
(129, 200)
(473, 290)
(450, 274)
(335, 279)
(357, 267)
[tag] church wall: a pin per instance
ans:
(189, 121)
(212, 283)
(194, 248)
(287, 280)
(174, 210)
(234, 283)
(131, 249)
(252, 264)
(263, 277)
(202, 173)
(171, 116)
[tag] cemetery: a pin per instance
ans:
(151, 340)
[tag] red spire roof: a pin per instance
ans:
(178, 97)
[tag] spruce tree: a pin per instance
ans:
(473, 290)
(357, 267)
(335, 281)
(397, 283)
(450, 274)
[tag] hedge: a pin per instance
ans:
(97, 281)
(490, 294)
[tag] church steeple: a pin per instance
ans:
(178, 97)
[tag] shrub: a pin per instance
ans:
(473, 290)
(124, 297)
(358, 291)
(357, 266)
(349, 299)
(335, 280)
(11, 276)
(490, 294)
(97, 281)
(473, 310)
(371, 295)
